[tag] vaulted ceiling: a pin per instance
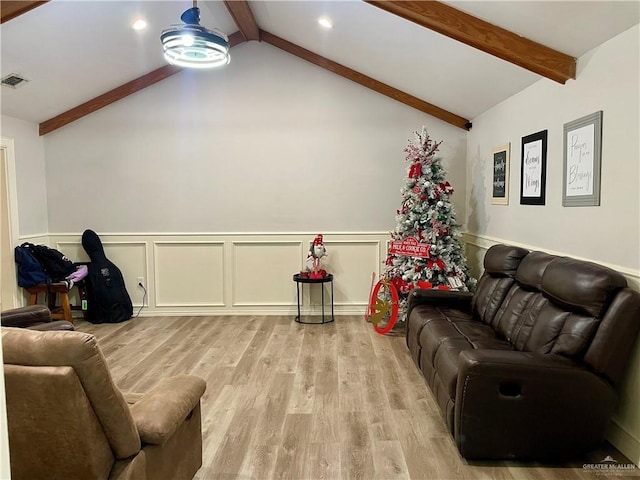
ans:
(452, 60)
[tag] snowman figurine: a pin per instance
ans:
(316, 252)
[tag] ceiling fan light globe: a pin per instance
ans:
(187, 40)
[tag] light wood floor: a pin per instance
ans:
(283, 400)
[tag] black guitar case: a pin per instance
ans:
(107, 298)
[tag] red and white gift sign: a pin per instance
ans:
(411, 247)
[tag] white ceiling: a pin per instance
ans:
(73, 51)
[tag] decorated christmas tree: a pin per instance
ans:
(425, 249)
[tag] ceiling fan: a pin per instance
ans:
(194, 46)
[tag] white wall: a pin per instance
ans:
(30, 174)
(608, 80)
(270, 143)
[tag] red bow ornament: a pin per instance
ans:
(415, 171)
(446, 188)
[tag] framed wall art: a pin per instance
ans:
(533, 172)
(500, 189)
(581, 163)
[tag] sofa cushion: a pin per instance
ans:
(432, 336)
(481, 335)
(489, 295)
(531, 269)
(522, 331)
(581, 287)
(578, 294)
(514, 312)
(510, 314)
(446, 358)
(444, 336)
(562, 332)
(503, 260)
(446, 362)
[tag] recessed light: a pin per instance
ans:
(325, 22)
(139, 24)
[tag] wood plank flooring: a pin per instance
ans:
(290, 401)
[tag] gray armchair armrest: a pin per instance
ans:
(528, 405)
(440, 298)
(160, 411)
(25, 316)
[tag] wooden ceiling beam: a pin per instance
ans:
(243, 16)
(12, 9)
(118, 93)
(484, 36)
(365, 81)
(108, 98)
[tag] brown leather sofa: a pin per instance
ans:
(527, 366)
(67, 420)
(35, 317)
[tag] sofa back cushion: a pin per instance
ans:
(79, 351)
(578, 295)
(53, 429)
(515, 317)
(532, 268)
(500, 265)
(581, 287)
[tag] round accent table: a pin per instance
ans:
(299, 279)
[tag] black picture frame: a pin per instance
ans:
(500, 186)
(533, 169)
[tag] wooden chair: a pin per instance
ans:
(53, 290)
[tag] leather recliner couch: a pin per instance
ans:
(34, 317)
(527, 366)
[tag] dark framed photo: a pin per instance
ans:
(533, 171)
(500, 188)
(581, 161)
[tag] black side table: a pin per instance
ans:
(300, 279)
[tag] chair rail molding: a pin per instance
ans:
(484, 242)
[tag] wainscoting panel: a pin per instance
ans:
(129, 256)
(262, 272)
(352, 263)
(234, 273)
(189, 274)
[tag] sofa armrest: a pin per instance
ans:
(54, 325)
(527, 405)
(160, 411)
(440, 298)
(25, 316)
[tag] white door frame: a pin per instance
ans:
(7, 145)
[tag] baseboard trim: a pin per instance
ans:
(624, 441)
(177, 312)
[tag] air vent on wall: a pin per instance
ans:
(14, 80)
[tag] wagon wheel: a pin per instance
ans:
(383, 306)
